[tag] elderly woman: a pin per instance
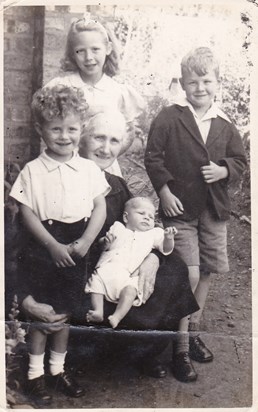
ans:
(167, 295)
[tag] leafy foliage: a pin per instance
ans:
(14, 338)
(236, 100)
(14, 333)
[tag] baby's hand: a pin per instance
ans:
(170, 232)
(61, 255)
(107, 241)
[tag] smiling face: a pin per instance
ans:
(61, 136)
(140, 216)
(90, 50)
(102, 140)
(200, 90)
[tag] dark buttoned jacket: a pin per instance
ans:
(176, 152)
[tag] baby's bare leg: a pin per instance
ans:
(97, 312)
(126, 299)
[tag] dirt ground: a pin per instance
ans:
(112, 380)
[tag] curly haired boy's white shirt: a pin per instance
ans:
(60, 191)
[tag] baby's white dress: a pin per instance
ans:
(116, 265)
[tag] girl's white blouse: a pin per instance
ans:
(107, 93)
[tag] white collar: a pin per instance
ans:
(213, 112)
(52, 164)
(102, 83)
(77, 81)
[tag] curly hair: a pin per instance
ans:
(58, 101)
(200, 60)
(111, 65)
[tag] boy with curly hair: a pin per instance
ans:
(62, 206)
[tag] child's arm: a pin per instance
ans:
(213, 172)
(168, 243)
(58, 251)
(231, 162)
(158, 141)
(171, 205)
(81, 246)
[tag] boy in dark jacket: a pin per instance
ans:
(193, 153)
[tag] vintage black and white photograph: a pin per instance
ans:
(126, 138)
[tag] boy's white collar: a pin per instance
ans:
(212, 112)
(52, 164)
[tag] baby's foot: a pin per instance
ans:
(94, 316)
(114, 321)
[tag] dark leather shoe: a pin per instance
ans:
(198, 350)
(182, 368)
(36, 389)
(154, 369)
(65, 383)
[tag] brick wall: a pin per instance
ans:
(23, 34)
(34, 43)
(57, 22)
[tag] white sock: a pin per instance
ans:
(182, 342)
(56, 362)
(36, 366)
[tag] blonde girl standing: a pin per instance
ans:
(91, 60)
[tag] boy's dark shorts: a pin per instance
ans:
(202, 242)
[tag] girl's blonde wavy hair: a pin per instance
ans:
(111, 66)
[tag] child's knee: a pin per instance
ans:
(130, 291)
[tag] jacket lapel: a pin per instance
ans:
(217, 125)
(190, 124)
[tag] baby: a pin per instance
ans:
(124, 249)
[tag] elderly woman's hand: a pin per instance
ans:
(44, 313)
(147, 276)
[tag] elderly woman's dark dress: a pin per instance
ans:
(171, 300)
